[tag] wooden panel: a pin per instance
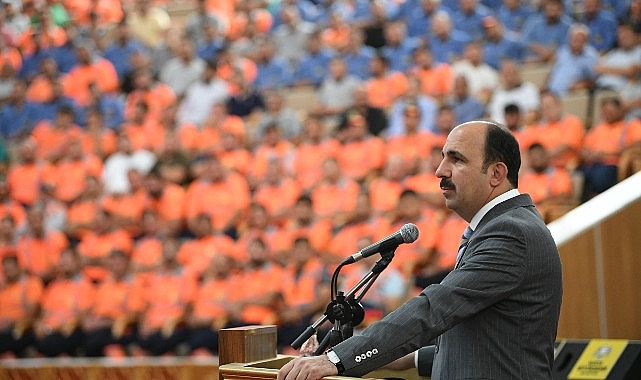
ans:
(622, 267)
(247, 344)
(579, 311)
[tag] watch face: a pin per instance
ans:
(331, 355)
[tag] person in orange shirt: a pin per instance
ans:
(437, 79)
(305, 222)
(195, 254)
(232, 153)
(81, 211)
(603, 146)
(214, 306)
(335, 195)
(126, 208)
(277, 192)
(42, 35)
(39, 250)
(99, 140)
(158, 96)
(8, 206)
(67, 177)
(384, 86)
(222, 194)
(167, 200)
(89, 70)
(144, 131)
(147, 250)
(386, 190)
(52, 138)
(259, 303)
(560, 133)
(362, 155)
(411, 209)
(95, 246)
(64, 303)
(185, 135)
(304, 290)
(41, 86)
(9, 55)
(273, 146)
(25, 176)
(7, 237)
(166, 302)
(315, 147)
(19, 301)
(107, 323)
(548, 186)
(258, 224)
(414, 144)
(425, 183)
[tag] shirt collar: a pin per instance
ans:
(490, 205)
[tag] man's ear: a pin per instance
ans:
(498, 174)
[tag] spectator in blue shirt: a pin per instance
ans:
(543, 35)
(31, 62)
(398, 48)
(575, 62)
(427, 106)
(48, 110)
(313, 66)
(273, 71)
(446, 44)
(110, 106)
(65, 54)
(211, 42)
(469, 18)
(120, 50)
(618, 7)
(418, 21)
(357, 55)
(465, 106)
(513, 14)
(602, 24)
(18, 116)
(500, 44)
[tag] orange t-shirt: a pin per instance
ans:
(300, 289)
(278, 198)
(238, 160)
(65, 299)
(308, 160)
(437, 81)
(270, 279)
(568, 131)
(213, 295)
(17, 297)
(428, 225)
(39, 256)
(318, 232)
(158, 98)
(331, 199)
(69, 176)
(101, 144)
(382, 92)
(25, 179)
(449, 238)
(82, 212)
(40, 89)
(345, 242)
(358, 158)
(411, 148)
(613, 138)
(167, 297)
(196, 254)
(115, 299)
(51, 140)
(78, 80)
(283, 151)
(12, 56)
(171, 204)
(542, 186)
(221, 200)
(95, 246)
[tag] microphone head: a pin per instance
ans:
(409, 233)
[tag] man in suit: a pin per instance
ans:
(495, 315)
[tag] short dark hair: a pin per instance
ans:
(501, 146)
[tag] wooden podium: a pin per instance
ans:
(249, 352)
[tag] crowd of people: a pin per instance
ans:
(156, 185)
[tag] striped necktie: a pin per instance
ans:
(463, 244)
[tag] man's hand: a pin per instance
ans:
(308, 368)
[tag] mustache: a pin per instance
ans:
(446, 183)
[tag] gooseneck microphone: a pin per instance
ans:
(407, 234)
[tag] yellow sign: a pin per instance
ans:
(598, 358)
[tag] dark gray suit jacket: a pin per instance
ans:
(495, 315)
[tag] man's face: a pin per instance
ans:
(465, 186)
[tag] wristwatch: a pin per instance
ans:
(335, 360)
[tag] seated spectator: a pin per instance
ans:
(313, 64)
(482, 79)
(314, 148)
(66, 55)
(336, 32)
(45, 32)
(619, 65)
(543, 35)
(277, 192)
(100, 140)
(149, 23)
(48, 110)
(603, 146)
(210, 42)
(96, 245)
(466, 106)
(273, 147)
(514, 122)
(513, 90)
(304, 290)
(143, 130)
(361, 155)
(290, 36)
(107, 324)
(167, 200)
(559, 132)
(334, 196)
(436, 78)
(183, 69)
(213, 307)
(306, 222)
(425, 104)
(424, 182)
(198, 19)
(166, 302)
(90, 69)
(51, 139)
(126, 208)
(513, 14)
(120, 50)
(67, 176)
(157, 95)
(245, 100)
(445, 43)
(602, 25)
(385, 191)
(147, 249)
(419, 20)
(26, 174)
(468, 18)
(414, 144)
(550, 187)
(273, 71)
(64, 302)
(375, 117)
(19, 302)
(357, 56)
(81, 211)
(499, 43)
(202, 95)
(384, 86)
(336, 93)
(125, 158)
(18, 116)
(573, 68)
(222, 194)
(41, 86)
(399, 47)
(31, 60)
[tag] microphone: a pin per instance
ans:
(407, 234)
